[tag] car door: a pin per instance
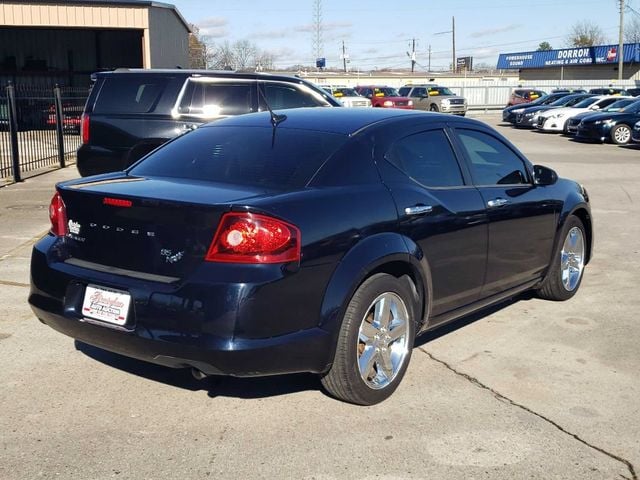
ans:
(440, 212)
(522, 219)
(420, 98)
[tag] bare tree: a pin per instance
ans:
(264, 61)
(244, 53)
(222, 57)
(586, 34)
(632, 30)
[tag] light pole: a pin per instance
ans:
(453, 43)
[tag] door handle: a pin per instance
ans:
(418, 210)
(498, 202)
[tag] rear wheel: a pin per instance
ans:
(565, 272)
(375, 342)
(621, 134)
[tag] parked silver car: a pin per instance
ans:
(347, 96)
(435, 98)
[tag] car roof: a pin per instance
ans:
(345, 121)
(203, 73)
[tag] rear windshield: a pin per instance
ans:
(280, 159)
(129, 94)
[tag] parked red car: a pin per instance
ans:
(387, 97)
(524, 95)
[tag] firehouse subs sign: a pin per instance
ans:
(602, 54)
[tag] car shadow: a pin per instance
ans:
(462, 322)
(215, 386)
(631, 146)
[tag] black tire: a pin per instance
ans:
(621, 134)
(434, 108)
(344, 380)
(553, 287)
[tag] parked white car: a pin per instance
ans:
(346, 95)
(557, 120)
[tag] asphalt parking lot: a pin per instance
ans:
(530, 389)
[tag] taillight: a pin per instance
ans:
(84, 127)
(254, 238)
(58, 216)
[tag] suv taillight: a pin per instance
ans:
(252, 238)
(58, 216)
(84, 127)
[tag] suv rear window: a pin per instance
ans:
(129, 94)
(278, 158)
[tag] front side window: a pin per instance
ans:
(427, 158)
(282, 96)
(492, 162)
(419, 92)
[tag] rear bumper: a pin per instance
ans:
(292, 353)
(261, 326)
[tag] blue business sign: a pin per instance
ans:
(602, 54)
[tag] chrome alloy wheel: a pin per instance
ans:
(622, 135)
(383, 340)
(572, 259)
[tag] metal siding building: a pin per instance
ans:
(580, 63)
(45, 42)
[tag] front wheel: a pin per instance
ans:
(621, 134)
(375, 342)
(565, 272)
(434, 108)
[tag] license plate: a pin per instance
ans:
(106, 304)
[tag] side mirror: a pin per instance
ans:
(595, 107)
(543, 176)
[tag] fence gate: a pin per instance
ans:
(39, 128)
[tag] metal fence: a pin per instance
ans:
(39, 128)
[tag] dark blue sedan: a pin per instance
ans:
(615, 127)
(312, 240)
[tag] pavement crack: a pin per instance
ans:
(13, 284)
(503, 398)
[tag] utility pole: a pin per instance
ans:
(413, 54)
(344, 57)
(317, 43)
(429, 64)
(453, 42)
(621, 43)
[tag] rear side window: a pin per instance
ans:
(214, 99)
(427, 158)
(492, 162)
(129, 94)
(280, 159)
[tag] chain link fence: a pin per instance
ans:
(39, 128)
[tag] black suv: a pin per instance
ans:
(129, 113)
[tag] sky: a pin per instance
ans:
(379, 34)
